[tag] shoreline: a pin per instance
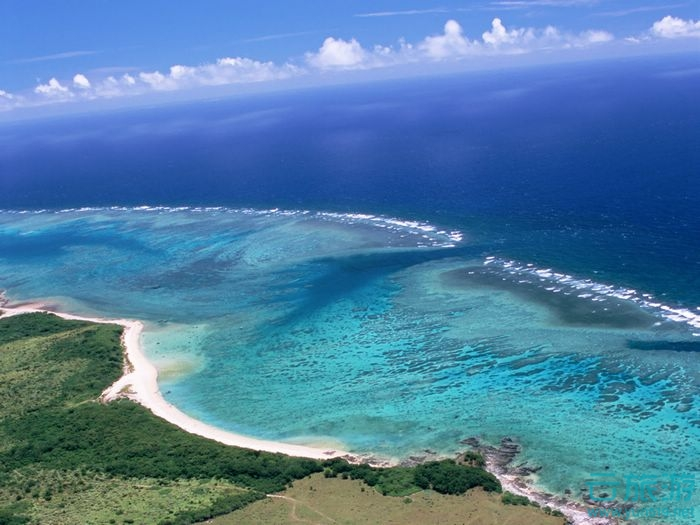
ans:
(517, 480)
(575, 513)
(139, 383)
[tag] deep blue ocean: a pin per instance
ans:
(395, 266)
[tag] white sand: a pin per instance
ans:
(140, 384)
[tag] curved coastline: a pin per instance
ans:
(139, 383)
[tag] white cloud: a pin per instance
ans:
(278, 36)
(235, 70)
(672, 27)
(407, 12)
(334, 54)
(57, 56)
(540, 3)
(338, 53)
(502, 40)
(223, 71)
(53, 89)
(81, 81)
(596, 37)
(451, 43)
(640, 9)
(114, 87)
(499, 36)
(155, 79)
(4, 94)
(553, 38)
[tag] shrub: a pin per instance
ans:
(474, 459)
(9, 517)
(447, 477)
(508, 498)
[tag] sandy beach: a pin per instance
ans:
(140, 384)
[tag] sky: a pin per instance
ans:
(81, 52)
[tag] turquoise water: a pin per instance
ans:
(539, 279)
(385, 335)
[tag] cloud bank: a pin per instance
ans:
(452, 44)
(337, 54)
(223, 71)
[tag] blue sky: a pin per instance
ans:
(82, 51)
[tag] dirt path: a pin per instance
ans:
(293, 512)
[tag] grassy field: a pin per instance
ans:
(335, 501)
(67, 459)
(86, 498)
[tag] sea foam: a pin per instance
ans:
(566, 284)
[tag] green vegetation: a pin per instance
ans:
(124, 439)
(396, 481)
(473, 459)
(89, 497)
(445, 477)
(508, 498)
(66, 458)
(64, 363)
(553, 512)
(61, 451)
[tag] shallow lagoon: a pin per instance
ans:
(378, 335)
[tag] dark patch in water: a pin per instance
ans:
(673, 346)
(335, 278)
(567, 308)
(26, 248)
(199, 273)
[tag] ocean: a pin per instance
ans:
(393, 267)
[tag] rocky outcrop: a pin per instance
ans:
(515, 478)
